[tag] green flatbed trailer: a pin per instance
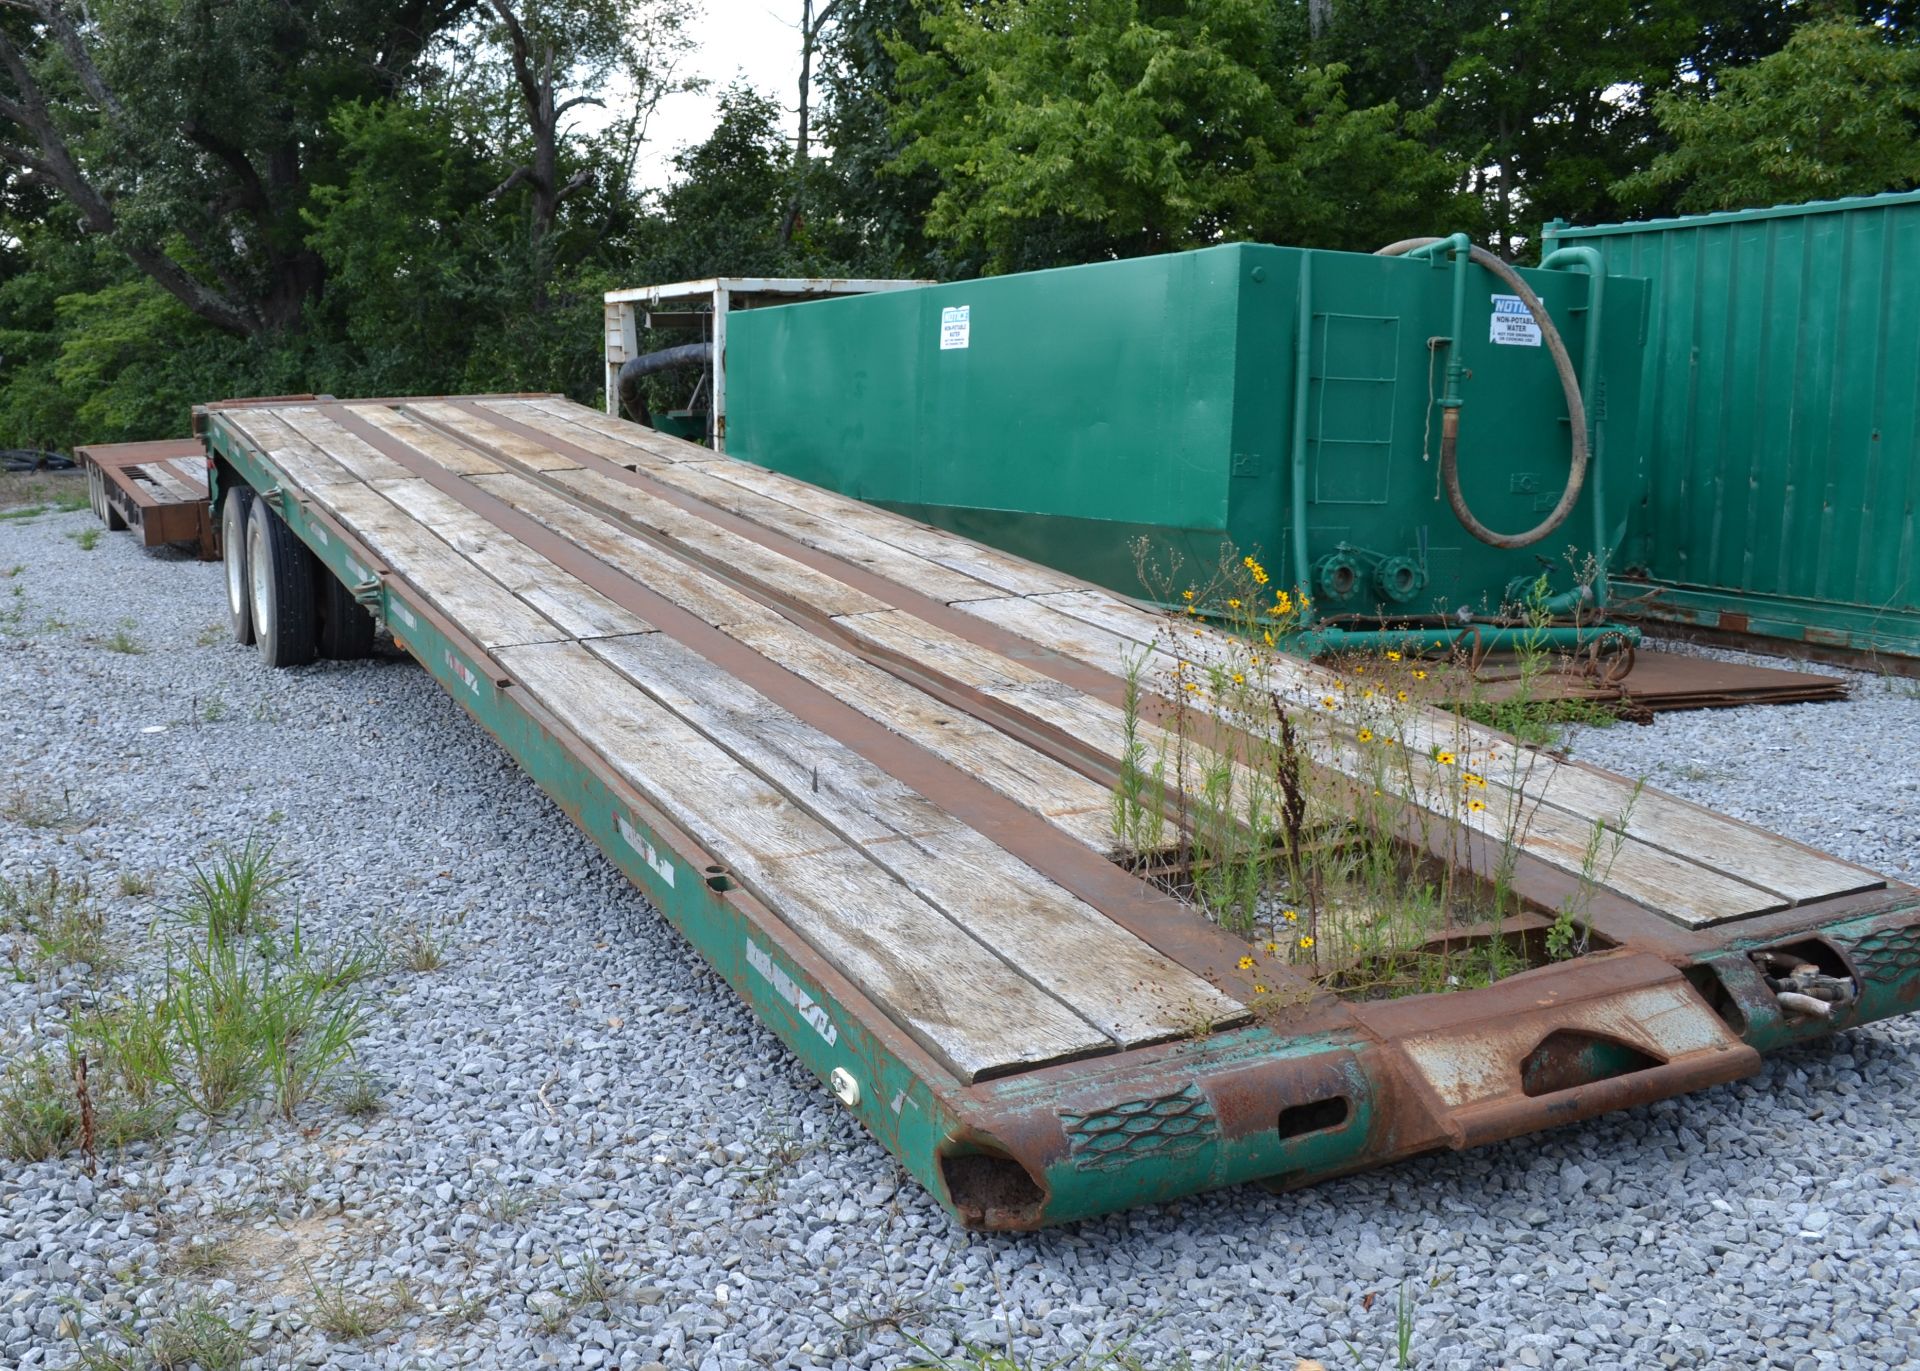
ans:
(663, 638)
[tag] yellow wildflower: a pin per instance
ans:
(1238, 679)
(1269, 638)
(1290, 916)
(1476, 805)
(1259, 989)
(1272, 947)
(1329, 702)
(1365, 735)
(1403, 697)
(1419, 675)
(1445, 759)
(1233, 604)
(1306, 940)
(1246, 963)
(1186, 595)
(1393, 656)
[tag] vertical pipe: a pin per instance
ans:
(1302, 358)
(1590, 259)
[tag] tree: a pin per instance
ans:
(1062, 130)
(1835, 112)
(188, 132)
(585, 46)
(813, 22)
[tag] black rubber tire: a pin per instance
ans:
(233, 550)
(345, 632)
(280, 576)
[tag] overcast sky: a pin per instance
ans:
(757, 39)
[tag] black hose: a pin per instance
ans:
(1450, 423)
(33, 459)
(631, 398)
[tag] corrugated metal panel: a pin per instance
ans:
(1780, 412)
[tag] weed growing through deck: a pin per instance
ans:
(1357, 837)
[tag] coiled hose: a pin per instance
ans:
(1450, 422)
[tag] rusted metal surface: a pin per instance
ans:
(1309, 1087)
(1642, 682)
(158, 490)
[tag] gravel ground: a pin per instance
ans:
(572, 1097)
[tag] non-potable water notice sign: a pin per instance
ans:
(955, 326)
(1513, 324)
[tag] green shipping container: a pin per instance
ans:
(1780, 417)
(1065, 414)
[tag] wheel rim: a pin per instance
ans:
(257, 573)
(236, 561)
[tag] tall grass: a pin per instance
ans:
(243, 1011)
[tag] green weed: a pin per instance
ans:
(230, 897)
(61, 918)
(87, 538)
(342, 1314)
(134, 885)
(121, 640)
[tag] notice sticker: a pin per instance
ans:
(955, 326)
(1512, 324)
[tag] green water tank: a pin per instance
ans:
(1065, 415)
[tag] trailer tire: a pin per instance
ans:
(233, 549)
(345, 629)
(280, 584)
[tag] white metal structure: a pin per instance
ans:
(628, 311)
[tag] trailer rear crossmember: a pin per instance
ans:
(866, 767)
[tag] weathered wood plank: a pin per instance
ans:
(955, 996)
(1031, 779)
(624, 450)
(493, 439)
(428, 441)
(628, 553)
(350, 450)
(772, 571)
(487, 612)
(663, 447)
(999, 570)
(576, 607)
(306, 465)
(1104, 973)
(1686, 830)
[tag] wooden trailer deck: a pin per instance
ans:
(887, 753)
(158, 489)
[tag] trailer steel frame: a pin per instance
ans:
(1281, 1099)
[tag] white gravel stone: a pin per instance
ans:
(573, 1085)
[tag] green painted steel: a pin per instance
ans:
(1107, 1133)
(1063, 415)
(1780, 416)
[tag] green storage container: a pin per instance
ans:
(1780, 417)
(1065, 414)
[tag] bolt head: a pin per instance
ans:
(845, 1088)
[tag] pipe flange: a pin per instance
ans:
(1337, 576)
(1399, 579)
